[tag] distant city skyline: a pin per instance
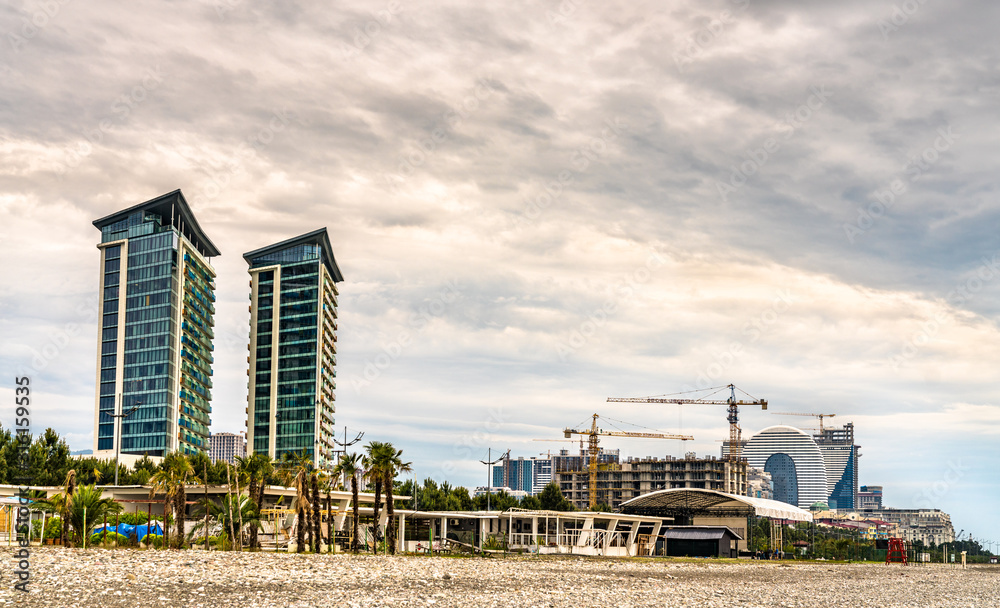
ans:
(538, 207)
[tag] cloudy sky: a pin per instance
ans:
(539, 205)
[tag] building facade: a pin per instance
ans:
(840, 457)
(621, 482)
(929, 526)
(293, 348)
(227, 447)
(870, 497)
(795, 463)
(157, 305)
(515, 473)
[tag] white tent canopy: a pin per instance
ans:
(711, 502)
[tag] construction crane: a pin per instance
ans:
(593, 433)
(733, 416)
(820, 416)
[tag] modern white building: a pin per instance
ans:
(795, 463)
(227, 446)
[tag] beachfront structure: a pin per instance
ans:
(795, 463)
(157, 309)
(227, 447)
(293, 348)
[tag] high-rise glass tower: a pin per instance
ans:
(293, 348)
(157, 304)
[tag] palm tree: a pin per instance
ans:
(393, 465)
(317, 510)
(256, 467)
(349, 466)
(327, 485)
(70, 489)
(162, 481)
(181, 472)
(374, 464)
(87, 507)
(297, 467)
(226, 513)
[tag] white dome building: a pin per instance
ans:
(794, 461)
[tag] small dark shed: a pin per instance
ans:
(700, 541)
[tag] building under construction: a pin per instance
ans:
(619, 482)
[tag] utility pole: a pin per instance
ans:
(345, 445)
(489, 472)
(118, 420)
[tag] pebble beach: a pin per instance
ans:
(65, 578)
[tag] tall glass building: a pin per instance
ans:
(841, 457)
(157, 303)
(293, 348)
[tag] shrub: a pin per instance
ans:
(53, 527)
(107, 537)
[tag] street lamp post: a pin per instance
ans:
(489, 472)
(118, 422)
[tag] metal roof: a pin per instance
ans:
(316, 237)
(171, 206)
(711, 502)
(699, 533)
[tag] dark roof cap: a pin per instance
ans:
(316, 237)
(183, 219)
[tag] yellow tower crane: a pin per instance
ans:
(733, 411)
(820, 416)
(593, 432)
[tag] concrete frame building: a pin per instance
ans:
(620, 482)
(293, 347)
(157, 308)
(227, 446)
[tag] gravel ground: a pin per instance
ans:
(67, 578)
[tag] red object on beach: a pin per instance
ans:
(897, 552)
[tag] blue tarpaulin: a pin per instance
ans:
(137, 532)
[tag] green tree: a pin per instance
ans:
(228, 512)
(295, 472)
(350, 467)
(87, 508)
(551, 499)
(374, 464)
(256, 467)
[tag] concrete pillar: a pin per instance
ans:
(444, 531)
(585, 533)
(632, 535)
(401, 541)
(652, 539)
(341, 514)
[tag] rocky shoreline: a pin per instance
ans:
(72, 578)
